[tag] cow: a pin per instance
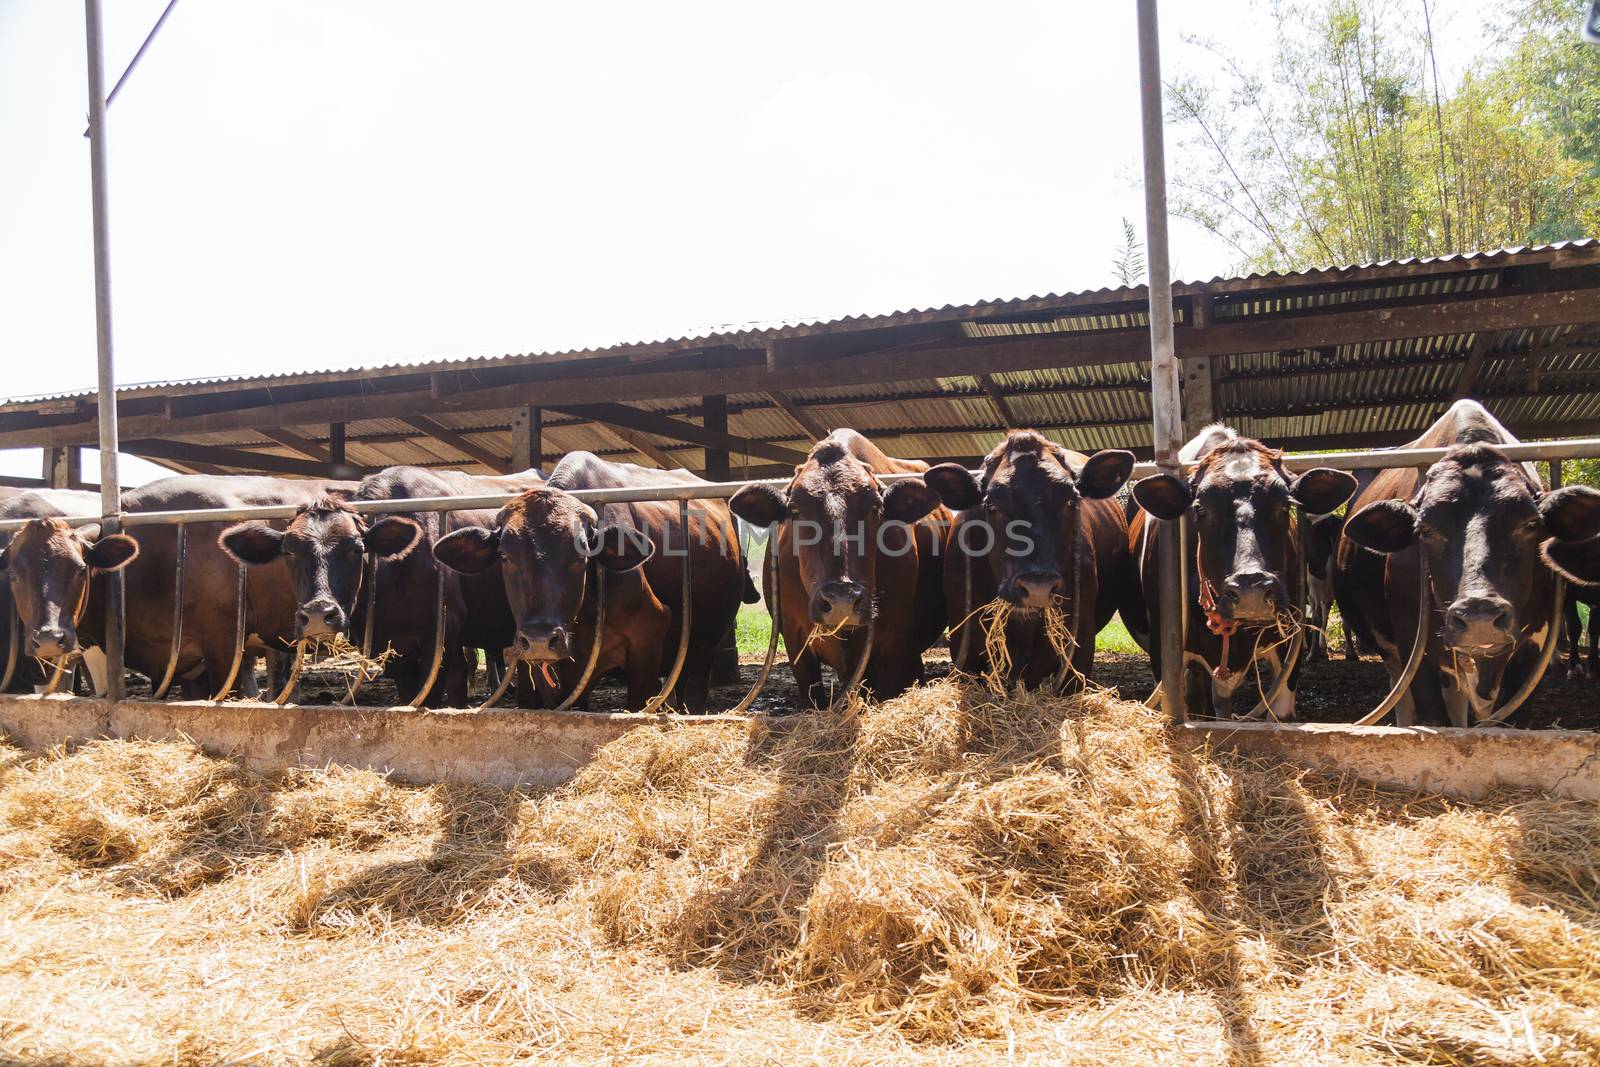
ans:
(542, 544)
(1321, 541)
(850, 550)
(211, 581)
(1493, 538)
(46, 567)
(1243, 541)
(1019, 534)
(407, 587)
(1573, 625)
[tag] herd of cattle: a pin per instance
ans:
(864, 564)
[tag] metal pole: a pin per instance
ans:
(1165, 402)
(110, 493)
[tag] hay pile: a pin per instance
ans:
(947, 877)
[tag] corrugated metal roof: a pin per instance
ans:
(754, 333)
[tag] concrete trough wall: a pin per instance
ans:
(543, 748)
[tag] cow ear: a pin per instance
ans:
(1322, 489)
(955, 485)
(1571, 514)
(1578, 563)
(1104, 473)
(5, 559)
(254, 543)
(622, 548)
(470, 550)
(1383, 526)
(909, 501)
(392, 537)
(760, 505)
(1162, 495)
(112, 553)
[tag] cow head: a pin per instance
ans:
(1030, 497)
(324, 546)
(543, 542)
(836, 509)
(1485, 527)
(1238, 499)
(49, 565)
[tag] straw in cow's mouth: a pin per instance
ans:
(993, 619)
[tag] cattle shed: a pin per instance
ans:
(1329, 358)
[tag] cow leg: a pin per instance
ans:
(807, 668)
(694, 684)
(456, 676)
(1572, 631)
(1594, 643)
(1405, 712)
(1282, 707)
(644, 674)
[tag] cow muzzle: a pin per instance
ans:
(1250, 596)
(542, 643)
(51, 642)
(837, 605)
(1480, 625)
(1034, 590)
(320, 618)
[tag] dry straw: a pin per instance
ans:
(948, 877)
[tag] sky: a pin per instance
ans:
(312, 185)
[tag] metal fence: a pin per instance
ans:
(1554, 451)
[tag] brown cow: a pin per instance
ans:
(211, 582)
(1243, 539)
(1493, 538)
(49, 564)
(542, 543)
(1037, 529)
(848, 550)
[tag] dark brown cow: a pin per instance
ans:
(325, 546)
(210, 585)
(1018, 532)
(1243, 543)
(847, 550)
(1493, 537)
(476, 615)
(542, 543)
(50, 565)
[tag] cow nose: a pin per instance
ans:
(320, 618)
(542, 642)
(1478, 623)
(840, 604)
(50, 642)
(1251, 594)
(1036, 588)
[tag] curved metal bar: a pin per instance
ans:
(966, 624)
(1418, 646)
(507, 676)
(371, 578)
(238, 641)
(14, 641)
(1552, 638)
(1065, 670)
(294, 673)
(599, 638)
(438, 643)
(772, 638)
(54, 684)
(854, 684)
(160, 692)
(660, 699)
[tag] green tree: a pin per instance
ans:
(1350, 149)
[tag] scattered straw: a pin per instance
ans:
(947, 877)
(994, 620)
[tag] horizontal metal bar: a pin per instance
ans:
(1580, 448)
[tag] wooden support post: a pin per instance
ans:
(527, 437)
(1557, 475)
(58, 470)
(336, 442)
(714, 417)
(1199, 375)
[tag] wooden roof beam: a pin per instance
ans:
(216, 456)
(295, 443)
(471, 449)
(1002, 407)
(624, 417)
(809, 424)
